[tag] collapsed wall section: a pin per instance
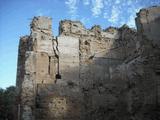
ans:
(100, 52)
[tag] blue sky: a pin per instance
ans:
(16, 15)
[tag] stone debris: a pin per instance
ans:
(110, 74)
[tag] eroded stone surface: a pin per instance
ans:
(110, 74)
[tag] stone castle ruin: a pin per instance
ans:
(90, 74)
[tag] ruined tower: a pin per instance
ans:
(90, 74)
(36, 64)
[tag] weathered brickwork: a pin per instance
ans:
(90, 74)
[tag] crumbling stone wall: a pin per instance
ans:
(100, 53)
(35, 65)
(139, 74)
(102, 74)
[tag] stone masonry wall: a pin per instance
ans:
(35, 65)
(100, 52)
(110, 74)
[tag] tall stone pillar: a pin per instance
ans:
(35, 65)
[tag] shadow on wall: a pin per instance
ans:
(108, 88)
(103, 78)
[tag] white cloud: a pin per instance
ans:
(97, 6)
(84, 20)
(108, 2)
(117, 12)
(117, 1)
(41, 12)
(106, 15)
(86, 2)
(72, 5)
(114, 15)
(107, 7)
(129, 2)
(131, 20)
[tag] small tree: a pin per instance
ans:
(7, 103)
